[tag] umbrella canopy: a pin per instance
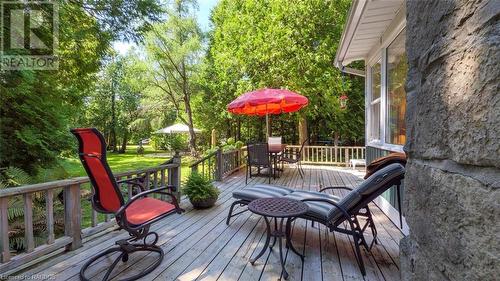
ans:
(267, 101)
(176, 128)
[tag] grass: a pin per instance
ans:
(122, 162)
(128, 161)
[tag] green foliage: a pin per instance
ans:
(210, 151)
(13, 176)
(173, 52)
(256, 44)
(239, 144)
(231, 144)
(172, 142)
(159, 142)
(198, 188)
(176, 142)
(38, 107)
(140, 150)
(123, 19)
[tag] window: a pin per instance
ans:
(375, 101)
(386, 110)
(397, 68)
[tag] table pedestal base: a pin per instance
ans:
(278, 234)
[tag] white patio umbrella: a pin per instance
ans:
(176, 128)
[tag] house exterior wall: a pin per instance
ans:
(376, 148)
(452, 197)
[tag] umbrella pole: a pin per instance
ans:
(267, 127)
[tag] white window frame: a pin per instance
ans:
(380, 55)
(370, 102)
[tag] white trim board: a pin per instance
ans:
(391, 213)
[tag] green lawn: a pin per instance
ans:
(123, 162)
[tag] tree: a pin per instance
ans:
(273, 44)
(173, 50)
(115, 106)
(39, 107)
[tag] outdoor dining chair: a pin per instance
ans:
(258, 156)
(136, 215)
(295, 158)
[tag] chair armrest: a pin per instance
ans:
(331, 202)
(133, 182)
(335, 187)
(122, 209)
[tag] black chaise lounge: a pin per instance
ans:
(333, 211)
(134, 215)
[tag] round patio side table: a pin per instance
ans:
(278, 209)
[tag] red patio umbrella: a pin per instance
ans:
(267, 101)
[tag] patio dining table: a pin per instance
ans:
(274, 151)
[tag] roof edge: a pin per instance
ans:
(355, 12)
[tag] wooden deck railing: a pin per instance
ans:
(233, 160)
(74, 233)
(331, 155)
(219, 164)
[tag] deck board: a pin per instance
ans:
(198, 244)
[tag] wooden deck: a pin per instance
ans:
(198, 245)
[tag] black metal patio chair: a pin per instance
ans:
(294, 158)
(333, 211)
(135, 215)
(258, 156)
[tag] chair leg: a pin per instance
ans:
(231, 211)
(372, 226)
(246, 175)
(125, 247)
(301, 172)
(359, 257)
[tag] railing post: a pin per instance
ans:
(218, 165)
(174, 176)
(347, 157)
(4, 231)
(28, 222)
(72, 216)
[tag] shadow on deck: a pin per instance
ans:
(198, 245)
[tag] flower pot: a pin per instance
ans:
(203, 204)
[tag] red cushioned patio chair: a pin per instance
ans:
(134, 215)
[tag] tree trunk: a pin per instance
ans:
(123, 149)
(238, 130)
(303, 134)
(113, 119)
(336, 138)
(192, 134)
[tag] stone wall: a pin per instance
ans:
(452, 197)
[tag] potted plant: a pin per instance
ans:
(200, 191)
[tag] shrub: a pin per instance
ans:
(176, 142)
(140, 150)
(159, 142)
(239, 144)
(199, 188)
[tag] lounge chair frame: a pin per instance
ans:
(351, 217)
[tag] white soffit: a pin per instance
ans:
(367, 22)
